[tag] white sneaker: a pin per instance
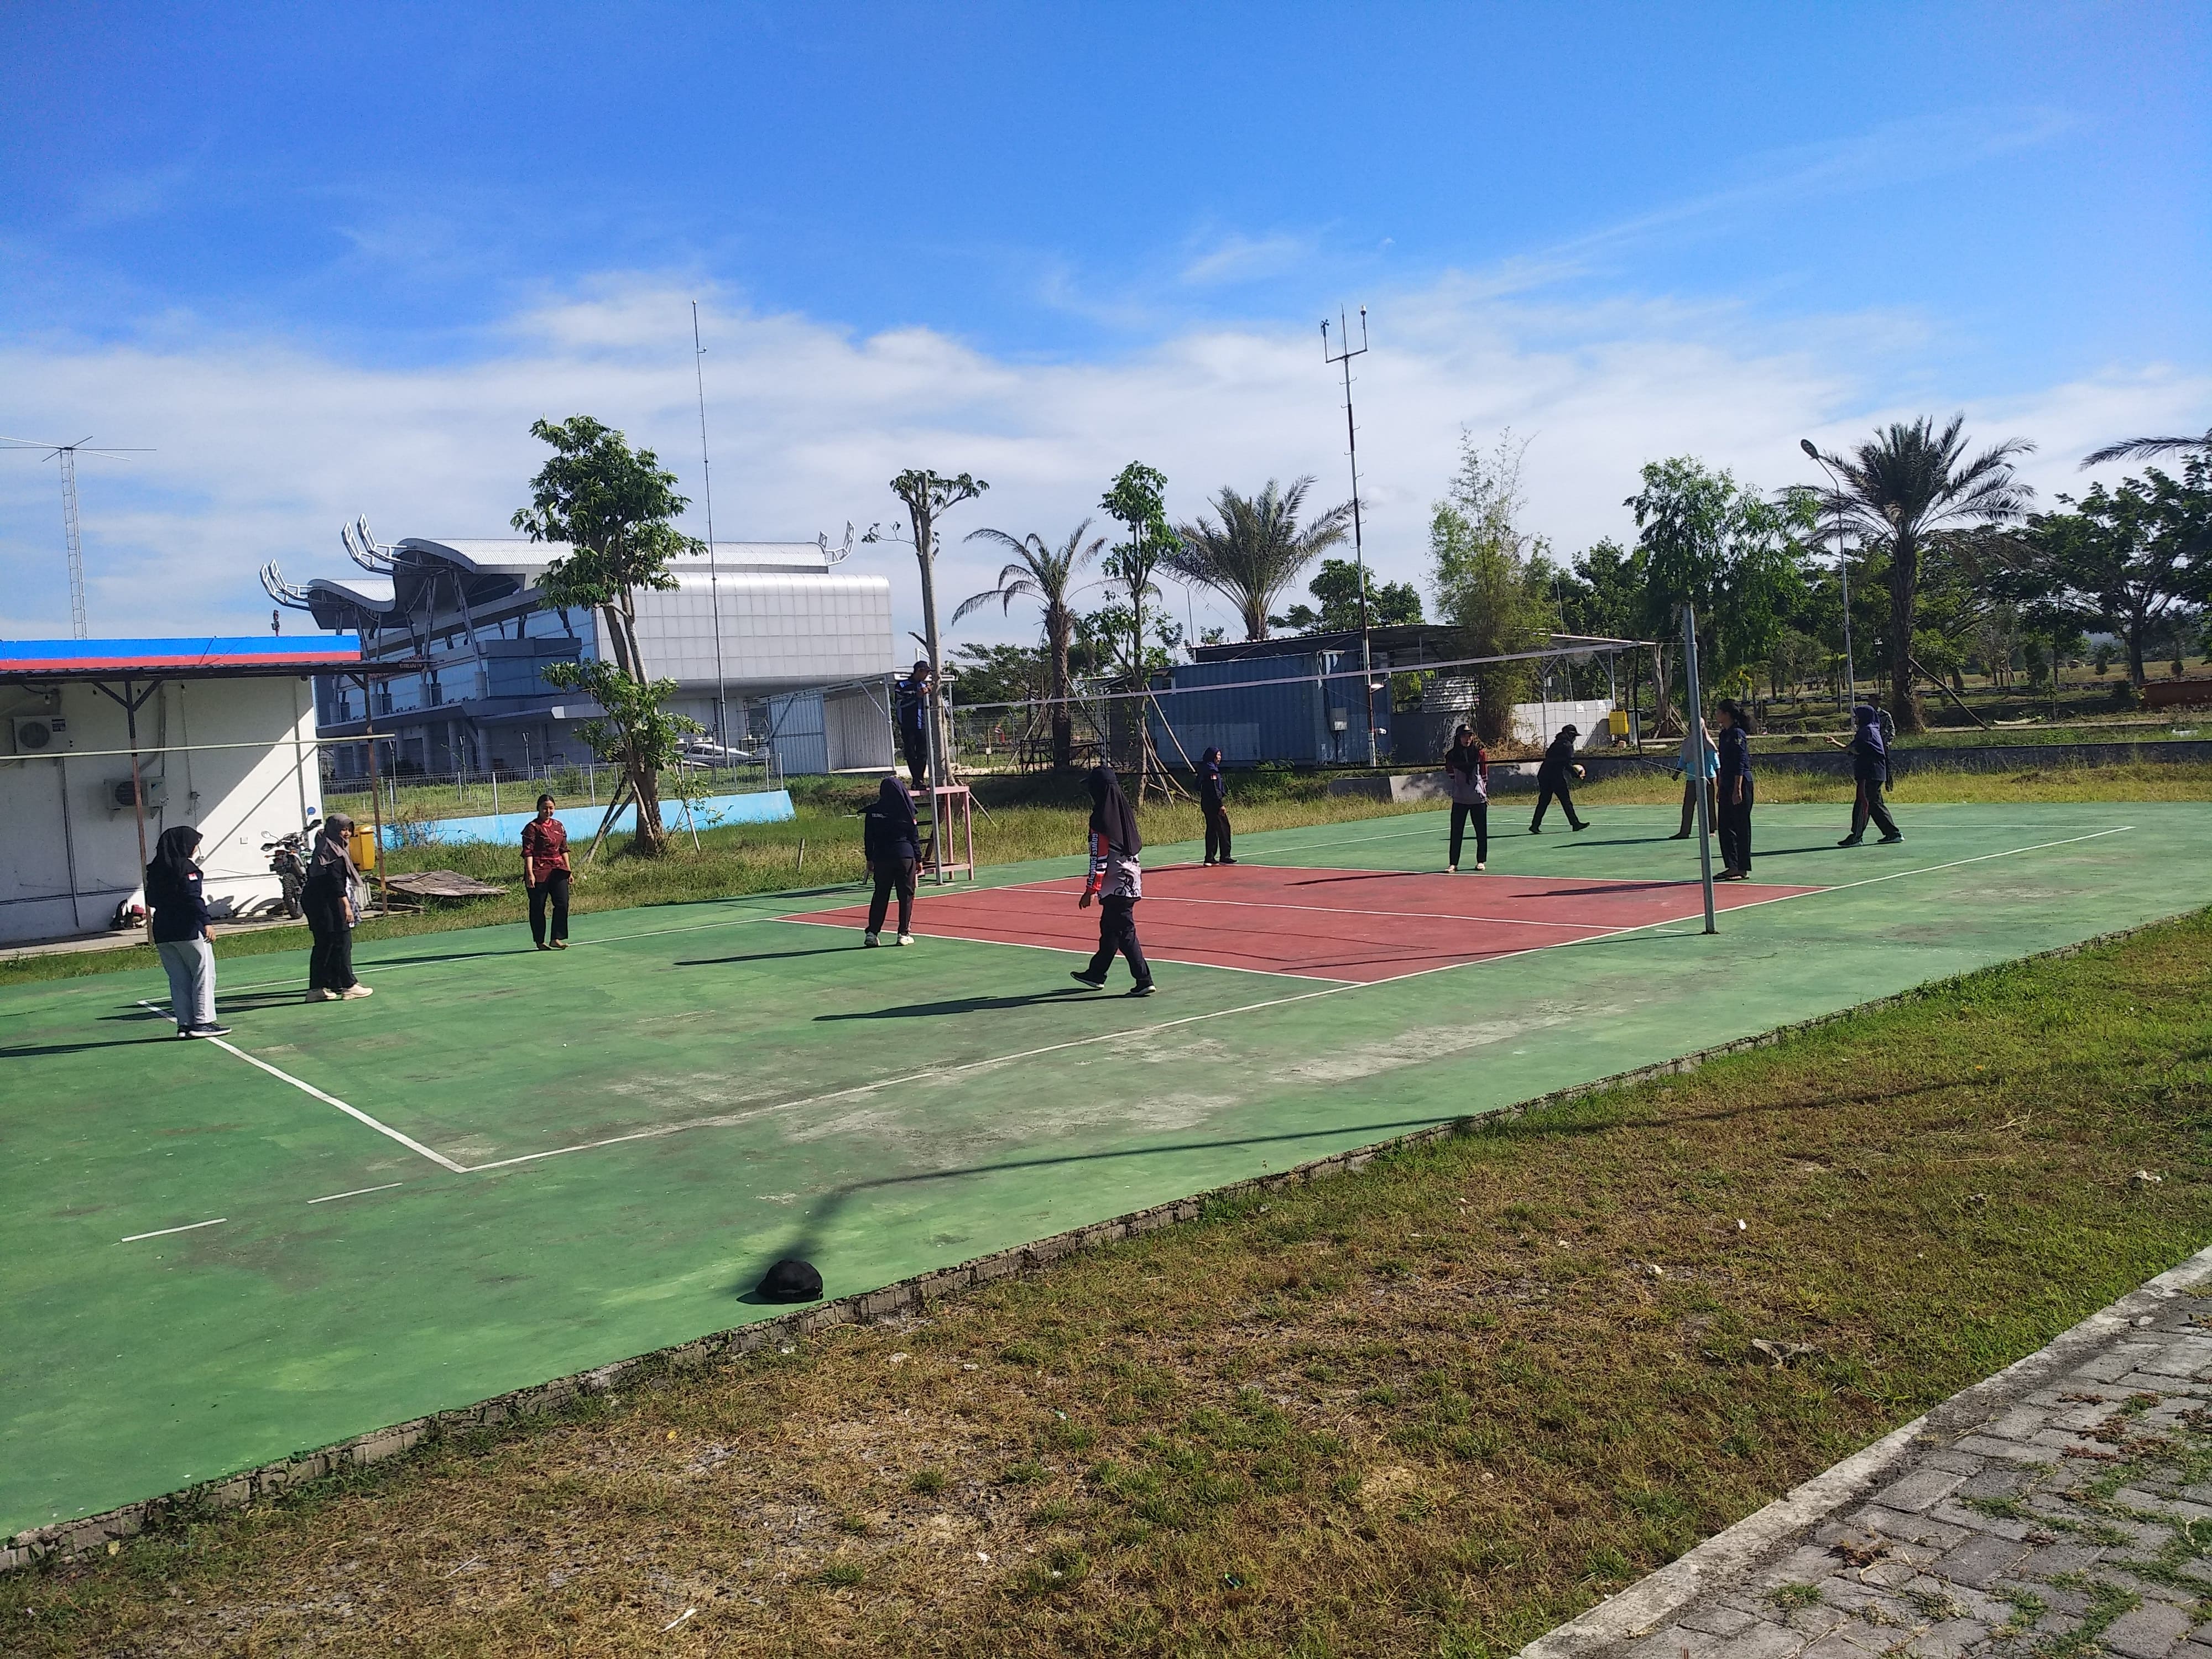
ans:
(355, 993)
(870, 940)
(1451, 869)
(906, 938)
(1480, 867)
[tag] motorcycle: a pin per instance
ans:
(287, 862)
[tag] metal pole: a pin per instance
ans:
(1842, 568)
(375, 801)
(1693, 758)
(1358, 550)
(713, 583)
(137, 788)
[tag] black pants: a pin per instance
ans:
(1869, 805)
(914, 740)
(1117, 934)
(892, 876)
(1690, 805)
(1479, 812)
(1564, 790)
(1735, 828)
(329, 965)
(1216, 832)
(555, 887)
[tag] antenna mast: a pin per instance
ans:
(713, 583)
(1358, 552)
(66, 453)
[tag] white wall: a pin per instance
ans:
(1537, 722)
(799, 629)
(237, 797)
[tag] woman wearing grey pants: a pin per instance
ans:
(180, 932)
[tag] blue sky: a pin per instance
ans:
(327, 261)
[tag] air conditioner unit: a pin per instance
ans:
(40, 734)
(121, 797)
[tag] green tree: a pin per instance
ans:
(1490, 579)
(1258, 548)
(1336, 585)
(1728, 551)
(1896, 491)
(927, 496)
(612, 507)
(1045, 575)
(1136, 500)
(2137, 556)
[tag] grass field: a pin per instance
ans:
(1429, 1409)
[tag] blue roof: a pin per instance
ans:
(199, 657)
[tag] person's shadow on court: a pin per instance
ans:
(962, 1006)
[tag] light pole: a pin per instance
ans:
(1358, 553)
(1842, 569)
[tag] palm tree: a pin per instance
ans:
(1895, 492)
(1047, 575)
(1258, 549)
(2142, 449)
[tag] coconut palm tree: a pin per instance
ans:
(1046, 574)
(2144, 449)
(1907, 484)
(1258, 549)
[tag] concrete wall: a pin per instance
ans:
(236, 797)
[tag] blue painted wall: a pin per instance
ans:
(709, 812)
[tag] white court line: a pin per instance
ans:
(734, 1118)
(1080, 949)
(331, 1198)
(163, 1232)
(408, 1141)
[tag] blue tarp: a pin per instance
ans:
(709, 812)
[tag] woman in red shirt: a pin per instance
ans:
(546, 873)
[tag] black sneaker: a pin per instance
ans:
(1850, 841)
(1891, 841)
(208, 1031)
(1582, 826)
(1085, 979)
(1143, 990)
(1229, 860)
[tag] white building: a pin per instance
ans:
(787, 621)
(225, 733)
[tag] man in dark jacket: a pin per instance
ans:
(911, 706)
(1869, 771)
(1556, 776)
(1212, 803)
(1734, 789)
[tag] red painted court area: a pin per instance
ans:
(1356, 925)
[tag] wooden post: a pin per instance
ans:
(375, 801)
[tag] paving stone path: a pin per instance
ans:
(2061, 1508)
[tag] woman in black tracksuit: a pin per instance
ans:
(1466, 780)
(1556, 776)
(327, 896)
(1117, 882)
(1735, 788)
(1869, 771)
(1211, 803)
(892, 843)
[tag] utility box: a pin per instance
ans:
(361, 845)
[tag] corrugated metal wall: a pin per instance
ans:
(1309, 721)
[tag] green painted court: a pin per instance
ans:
(508, 1166)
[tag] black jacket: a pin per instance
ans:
(180, 910)
(1209, 785)
(888, 837)
(1735, 745)
(1557, 760)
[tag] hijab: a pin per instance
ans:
(1111, 815)
(1466, 751)
(894, 805)
(1869, 724)
(171, 870)
(331, 850)
(1211, 757)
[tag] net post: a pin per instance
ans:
(1694, 757)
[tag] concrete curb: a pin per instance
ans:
(1651, 1603)
(67, 1539)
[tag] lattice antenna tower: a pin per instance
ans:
(67, 454)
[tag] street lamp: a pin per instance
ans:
(1842, 569)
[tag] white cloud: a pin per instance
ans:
(264, 444)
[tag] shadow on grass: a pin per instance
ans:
(963, 1004)
(813, 1234)
(768, 955)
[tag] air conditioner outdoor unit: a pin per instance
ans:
(120, 797)
(40, 734)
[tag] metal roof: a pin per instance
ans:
(216, 657)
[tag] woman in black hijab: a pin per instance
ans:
(327, 897)
(1216, 808)
(1115, 882)
(180, 932)
(891, 841)
(1555, 777)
